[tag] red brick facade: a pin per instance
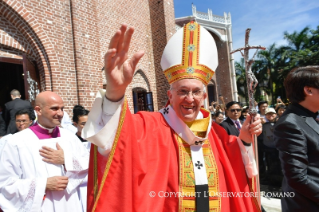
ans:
(68, 38)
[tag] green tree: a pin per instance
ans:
(241, 79)
(267, 68)
(273, 64)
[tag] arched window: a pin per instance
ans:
(211, 93)
(142, 100)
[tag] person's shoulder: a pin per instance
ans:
(289, 121)
(19, 137)
(147, 114)
(267, 123)
(226, 122)
(152, 116)
(290, 117)
(26, 102)
(5, 138)
(8, 104)
(66, 132)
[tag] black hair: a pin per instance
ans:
(229, 104)
(297, 79)
(26, 112)
(218, 113)
(280, 106)
(78, 107)
(262, 102)
(79, 111)
(245, 110)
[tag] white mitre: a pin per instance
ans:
(190, 53)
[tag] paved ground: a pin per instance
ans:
(269, 203)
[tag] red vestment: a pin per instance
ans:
(144, 161)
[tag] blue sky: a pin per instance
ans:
(268, 19)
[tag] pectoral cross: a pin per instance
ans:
(166, 110)
(198, 164)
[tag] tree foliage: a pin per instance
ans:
(273, 64)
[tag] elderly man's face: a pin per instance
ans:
(186, 98)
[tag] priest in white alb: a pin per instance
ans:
(42, 167)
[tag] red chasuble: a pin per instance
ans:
(141, 172)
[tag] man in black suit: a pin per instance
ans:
(2, 127)
(297, 138)
(232, 124)
(12, 107)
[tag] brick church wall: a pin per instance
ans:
(223, 75)
(69, 38)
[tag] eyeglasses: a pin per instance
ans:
(22, 121)
(238, 110)
(196, 94)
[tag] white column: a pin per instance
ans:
(232, 62)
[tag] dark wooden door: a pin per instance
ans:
(31, 79)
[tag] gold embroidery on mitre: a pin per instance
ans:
(190, 67)
(186, 170)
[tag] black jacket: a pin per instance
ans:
(230, 127)
(10, 111)
(296, 137)
(2, 127)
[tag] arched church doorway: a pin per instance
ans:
(11, 77)
(20, 74)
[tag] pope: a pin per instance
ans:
(176, 159)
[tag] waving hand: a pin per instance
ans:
(119, 69)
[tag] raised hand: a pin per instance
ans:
(119, 69)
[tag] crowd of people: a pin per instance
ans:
(231, 118)
(18, 115)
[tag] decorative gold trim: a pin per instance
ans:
(186, 173)
(110, 158)
(255, 201)
(190, 67)
(95, 173)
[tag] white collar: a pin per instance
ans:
(180, 128)
(49, 129)
(234, 120)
